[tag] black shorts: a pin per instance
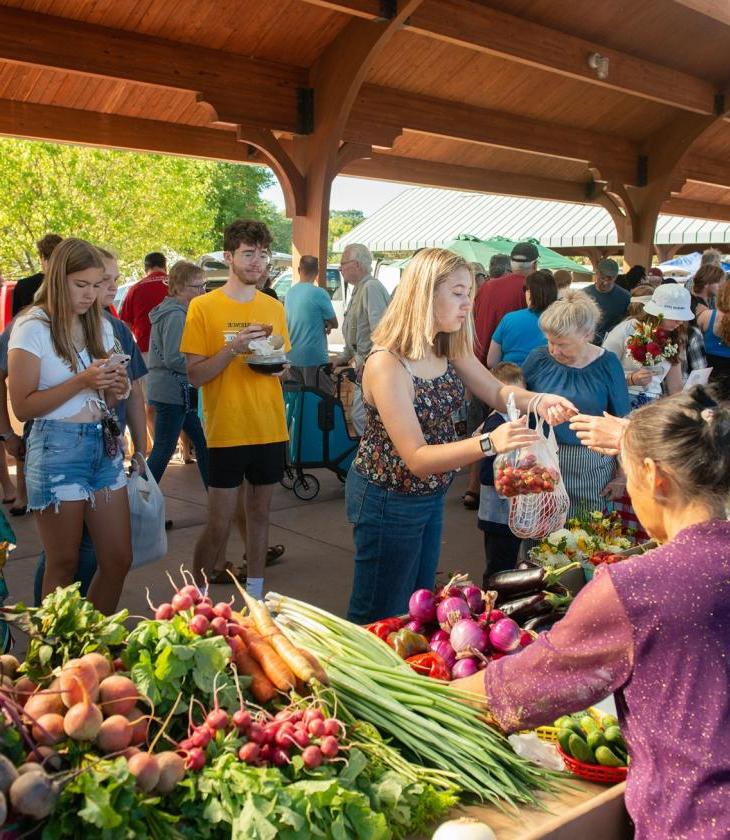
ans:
(260, 463)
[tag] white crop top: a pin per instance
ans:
(32, 333)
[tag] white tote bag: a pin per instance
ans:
(147, 509)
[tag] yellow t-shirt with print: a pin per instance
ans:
(241, 407)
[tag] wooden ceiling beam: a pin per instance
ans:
(378, 106)
(696, 209)
(716, 9)
(240, 89)
(72, 125)
(706, 170)
(425, 173)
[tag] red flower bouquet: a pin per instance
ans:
(649, 345)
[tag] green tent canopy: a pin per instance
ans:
(478, 250)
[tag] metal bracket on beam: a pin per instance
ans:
(388, 9)
(642, 170)
(719, 104)
(305, 110)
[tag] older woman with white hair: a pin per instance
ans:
(593, 380)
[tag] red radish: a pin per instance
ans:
(265, 753)
(195, 759)
(223, 610)
(279, 757)
(76, 679)
(118, 664)
(284, 736)
(217, 719)
(100, 664)
(312, 714)
(236, 629)
(526, 638)
(241, 720)
(201, 737)
(117, 695)
(193, 592)
(331, 727)
(83, 721)
(199, 624)
(249, 753)
(164, 612)
(186, 745)
(235, 643)
(206, 601)
(129, 752)
(312, 757)
(219, 625)
(329, 747)
(181, 602)
(141, 725)
(301, 738)
(172, 771)
(48, 729)
(145, 769)
(206, 610)
(257, 734)
(22, 690)
(44, 702)
(115, 734)
(316, 727)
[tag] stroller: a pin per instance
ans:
(318, 433)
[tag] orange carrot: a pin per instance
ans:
(272, 664)
(262, 688)
(319, 671)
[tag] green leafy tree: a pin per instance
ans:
(342, 222)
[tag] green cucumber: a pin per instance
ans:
(587, 724)
(608, 758)
(608, 720)
(580, 750)
(595, 739)
(614, 737)
(564, 739)
(567, 722)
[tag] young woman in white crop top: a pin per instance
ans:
(59, 377)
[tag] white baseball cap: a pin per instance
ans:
(672, 302)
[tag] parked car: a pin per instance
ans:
(338, 291)
(216, 270)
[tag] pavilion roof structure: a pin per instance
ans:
(625, 107)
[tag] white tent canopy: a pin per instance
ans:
(425, 217)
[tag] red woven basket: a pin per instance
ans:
(594, 772)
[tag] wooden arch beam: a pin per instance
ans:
(290, 178)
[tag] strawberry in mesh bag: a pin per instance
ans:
(530, 478)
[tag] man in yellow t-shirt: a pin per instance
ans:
(245, 424)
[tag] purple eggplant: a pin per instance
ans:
(535, 604)
(540, 623)
(523, 581)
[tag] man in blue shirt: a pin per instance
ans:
(309, 317)
(612, 300)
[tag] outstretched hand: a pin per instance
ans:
(555, 409)
(601, 434)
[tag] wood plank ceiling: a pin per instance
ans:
(469, 93)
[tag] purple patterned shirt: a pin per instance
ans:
(654, 628)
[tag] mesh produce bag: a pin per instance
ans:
(530, 478)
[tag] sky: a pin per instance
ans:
(350, 194)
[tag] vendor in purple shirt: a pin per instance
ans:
(654, 628)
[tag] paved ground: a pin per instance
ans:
(316, 567)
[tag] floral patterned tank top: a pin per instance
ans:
(435, 401)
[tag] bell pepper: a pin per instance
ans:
(382, 629)
(407, 643)
(430, 664)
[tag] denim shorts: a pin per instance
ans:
(67, 462)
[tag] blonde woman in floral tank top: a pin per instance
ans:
(412, 383)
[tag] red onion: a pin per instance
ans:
(450, 611)
(439, 636)
(474, 597)
(464, 668)
(504, 635)
(445, 651)
(416, 626)
(467, 635)
(422, 605)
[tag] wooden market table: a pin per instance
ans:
(586, 811)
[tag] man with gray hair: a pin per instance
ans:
(711, 257)
(612, 300)
(368, 302)
(505, 294)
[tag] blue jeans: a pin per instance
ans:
(84, 573)
(170, 420)
(397, 545)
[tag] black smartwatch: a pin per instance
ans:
(485, 441)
